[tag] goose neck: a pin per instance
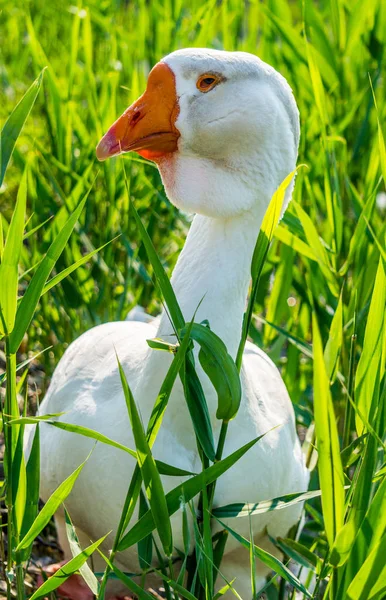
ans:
(212, 274)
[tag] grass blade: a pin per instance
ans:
(268, 559)
(221, 370)
(371, 366)
(11, 256)
(329, 462)
(370, 581)
(248, 509)
(14, 124)
(187, 490)
(76, 550)
(60, 276)
(50, 507)
(335, 341)
(31, 297)
(268, 226)
(67, 570)
(198, 408)
(140, 593)
(150, 474)
(33, 483)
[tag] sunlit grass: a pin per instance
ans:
(319, 308)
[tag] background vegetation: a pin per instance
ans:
(325, 267)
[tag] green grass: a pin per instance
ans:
(318, 295)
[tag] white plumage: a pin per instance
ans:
(236, 144)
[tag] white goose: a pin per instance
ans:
(223, 128)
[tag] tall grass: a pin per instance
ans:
(317, 300)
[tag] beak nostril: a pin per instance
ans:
(135, 117)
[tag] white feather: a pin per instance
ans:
(237, 144)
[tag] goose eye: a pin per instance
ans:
(207, 82)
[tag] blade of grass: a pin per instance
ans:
(268, 559)
(76, 550)
(50, 507)
(329, 461)
(264, 506)
(14, 124)
(11, 257)
(66, 570)
(220, 368)
(187, 490)
(31, 297)
(150, 474)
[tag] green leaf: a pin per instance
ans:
(222, 591)
(183, 592)
(31, 297)
(220, 368)
(268, 226)
(11, 256)
(370, 581)
(1, 239)
(150, 474)
(155, 422)
(186, 490)
(33, 483)
(329, 461)
(129, 583)
(299, 553)
(58, 278)
(317, 85)
(78, 429)
(335, 341)
(257, 508)
(314, 241)
(371, 366)
(34, 420)
(19, 481)
(76, 550)
(21, 365)
(381, 139)
(293, 241)
(161, 402)
(359, 232)
(50, 507)
(268, 559)
(198, 408)
(145, 546)
(301, 345)
(218, 551)
(165, 469)
(70, 568)
(159, 344)
(14, 124)
(357, 543)
(207, 542)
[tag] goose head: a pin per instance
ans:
(223, 128)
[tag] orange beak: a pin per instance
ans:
(148, 125)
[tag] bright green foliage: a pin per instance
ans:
(14, 124)
(150, 475)
(70, 568)
(187, 490)
(318, 298)
(10, 259)
(327, 441)
(221, 370)
(50, 508)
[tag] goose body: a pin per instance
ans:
(221, 153)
